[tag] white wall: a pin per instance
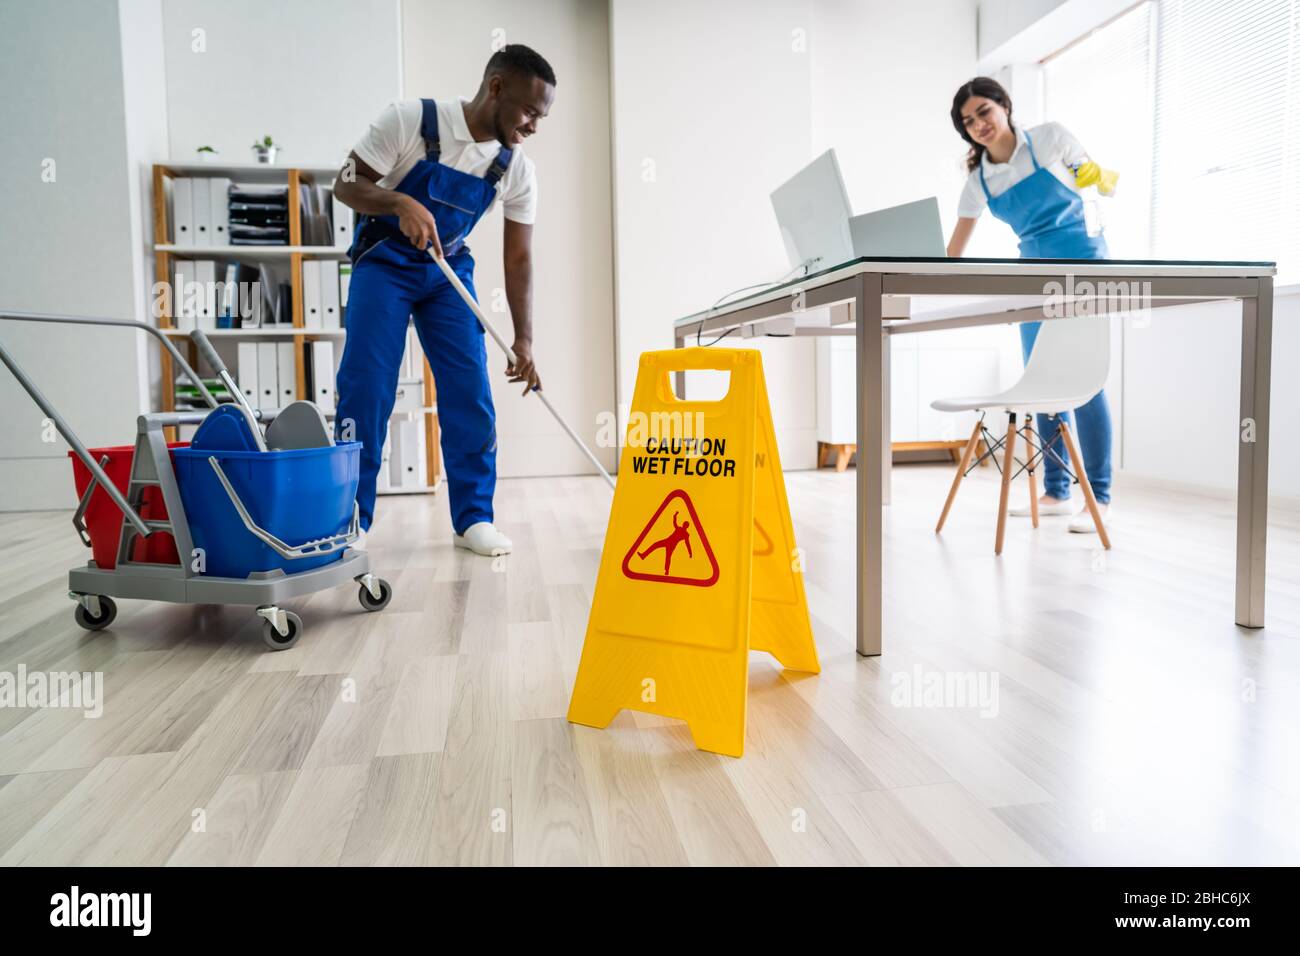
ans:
(1182, 396)
(445, 48)
(311, 73)
(711, 112)
(883, 103)
(144, 84)
(884, 107)
(73, 245)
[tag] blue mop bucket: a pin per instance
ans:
(298, 496)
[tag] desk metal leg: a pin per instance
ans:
(871, 438)
(1252, 453)
(886, 424)
(679, 378)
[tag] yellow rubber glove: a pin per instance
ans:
(1090, 174)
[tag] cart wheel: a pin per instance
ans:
(368, 600)
(107, 611)
(275, 641)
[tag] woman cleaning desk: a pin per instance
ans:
(1030, 179)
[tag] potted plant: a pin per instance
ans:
(265, 149)
(207, 153)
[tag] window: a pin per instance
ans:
(1227, 153)
(1197, 104)
(1100, 88)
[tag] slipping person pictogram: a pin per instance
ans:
(701, 572)
(681, 534)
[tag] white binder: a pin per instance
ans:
(397, 438)
(342, 224)
(421, 453)
(322, 374)
(412, 359)
(286, 374)
(267, 377)
(345, 279)
(202, 201)
(407, 464)
(382, 480)
(183, 211)
(219, 220)
(311, 305)
(184, 308)
(246, 372)
(205, 274)
(331, 314)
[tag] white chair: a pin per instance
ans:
(1068, 366)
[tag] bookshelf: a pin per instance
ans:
(166, 253)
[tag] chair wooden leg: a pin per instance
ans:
(1077, 460)
(1008, 463)
(1033, 481)
(966, 454)
(842, 455)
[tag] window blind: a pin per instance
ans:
(1227, 141)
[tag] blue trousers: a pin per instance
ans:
(385, 291)
(1093, 435)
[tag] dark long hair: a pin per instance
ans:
(990, 89)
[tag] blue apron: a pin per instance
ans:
(457, 200)
(1048, 217)
(1046, 214)
(393, 283)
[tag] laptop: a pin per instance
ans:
(912, 229)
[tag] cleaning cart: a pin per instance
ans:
(210, 522)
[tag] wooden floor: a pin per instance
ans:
(1134, 722)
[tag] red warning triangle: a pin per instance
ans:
(673, 546)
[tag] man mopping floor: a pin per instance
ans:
(425, 173)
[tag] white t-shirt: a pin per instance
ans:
(393, 145)
(1054, 145)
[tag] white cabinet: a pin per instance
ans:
(949, 373)
(923, 367)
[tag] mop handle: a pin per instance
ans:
(212, 357)
(496, 336)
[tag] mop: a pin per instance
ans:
(487, 327)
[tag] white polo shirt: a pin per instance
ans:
(1054, 145)
(393, 145)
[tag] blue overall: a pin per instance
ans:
(1048, 218)
(392, 282)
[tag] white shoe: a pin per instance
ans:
(360, 543)
(483, 538)
(1056, 508)
(1082, 522)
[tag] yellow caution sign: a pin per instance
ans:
(700, 563)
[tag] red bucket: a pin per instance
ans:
(104, 520)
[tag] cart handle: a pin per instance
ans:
(78, 448)
(79, 517)
(122, 323)
(315, 548)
